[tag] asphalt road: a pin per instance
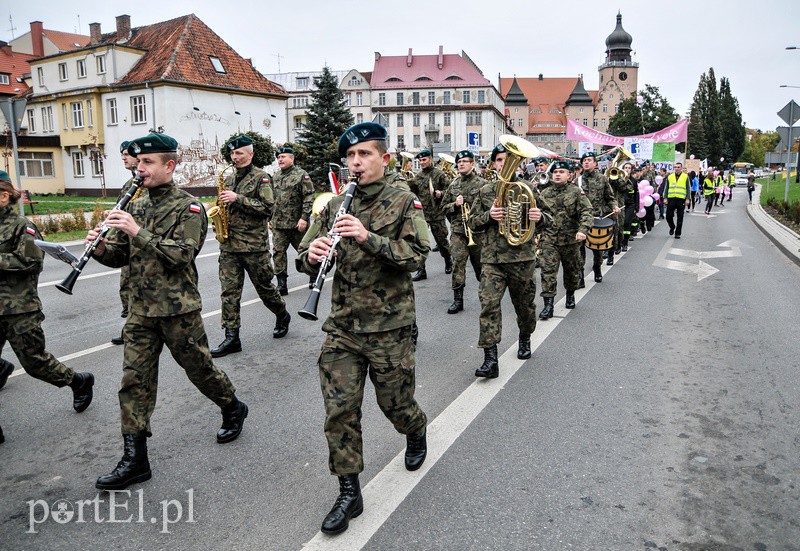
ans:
(659, 414)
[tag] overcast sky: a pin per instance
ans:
(674, 42)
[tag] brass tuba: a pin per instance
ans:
(446, 163)
(614, 171)
(515, 197)
(219, 212)
(405, 158)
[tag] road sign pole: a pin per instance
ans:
(789, 154)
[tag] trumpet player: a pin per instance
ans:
(504, 267)
(250, 204)
(464, 243)
(542, 164)
(430, 184)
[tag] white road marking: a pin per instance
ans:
(702, 270)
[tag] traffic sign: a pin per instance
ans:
(473, 142)
(790, 113)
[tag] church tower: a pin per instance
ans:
(619, 75)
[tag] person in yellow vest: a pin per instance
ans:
(677, 191)
(719, 189)
(731, 184)
(708, 190)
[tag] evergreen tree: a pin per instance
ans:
(696, 135)
(711, 122)
(732, 130)
(654, 114)
(263, 150)
(328, 118)
(300, 152)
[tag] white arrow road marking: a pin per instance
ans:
(702, 270)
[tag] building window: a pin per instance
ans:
(138, 110)
(400, 120)
(359, 118)
(399, 98)
(516, 110)
(603, 122)
(473, 118)
(610, 96)
(359, 98)
(431, 98)
(481, 96)
(77, 164)
(480, 139)
(401, 142)
(382, 98)
(302, 83)
(65, 126)
(217, 64)
(111, 108)
(47, 119)
(465, 96)
(447, 138)
(81, 68)
(298, 123)
(348, 99)
(594, 123)
(355, 81)
(35, 165)
(415, 98)
(415, 119)
(96, 161)
(417, 141)
(101, 64)
(616, 108)
(447, 119)
(446, 98)
(605, 108)
(520, 123)
(77, 114)
(4, 78)
(585, 122)
(89, 114)
(31, 121)
(431, 118)
(62, 71)
(580, 110)
(40, 75)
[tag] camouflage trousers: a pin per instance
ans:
(281, 239)
(495, 278)
(569, 257)
(439, 233)
(597, 258)
(461, 253)
(24, 332)
(124, 289)
(618, 227)
(232, 267)
(186, 340)
(346, 360)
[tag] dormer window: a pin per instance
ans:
(302, 83)
(217, 64)
(393, 79)
(454, 77)
(422, 78)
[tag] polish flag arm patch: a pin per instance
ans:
(417, 204)
(30, 230)
(195, 208)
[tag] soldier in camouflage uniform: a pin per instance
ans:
(372, 310)
(504, 266)
(619, 187)
(159, 237)
(248, 198)
(601, 196)
(294, 196)
(20, 308)
(561, 241)
(462, 191)
(542, 164)
(431, 177)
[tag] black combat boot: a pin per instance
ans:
(233, 416)
(570, 302)
(547, 311)
(132, 468)
(82, 393)
(458, 301)
(524, 348)
(6, 369)
(625, 244)
(489, 368)
(414, 334)
(416, 450)
(420, 274)
(230, 345)
(610, 261)
(448, 264)
(282, 284)
(598, 275)
(348, 505)
(281, 325)
(581, 282)
(118, 340)
(618, 249)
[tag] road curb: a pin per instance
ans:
(784, 238)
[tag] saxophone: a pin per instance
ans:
(219, 212)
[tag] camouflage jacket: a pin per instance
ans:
(572, 213)
(421, 185)
(294, 195)
(469, 188)
(619, 187)
(248, 216)
(372, 289)
(397, 180)
(20, 264)
(125, 187)
(163, 275)
(597, 189)
(495, 248)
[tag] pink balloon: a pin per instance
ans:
(641, 185)
(649, 190)
(659, 179)
(656, 197)
(645, 182)
(641, 213)
(648, 201)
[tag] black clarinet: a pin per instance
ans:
(309, 311)
(77, 267)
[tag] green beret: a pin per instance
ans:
(153, 143)
(285, 149)
(589, 154)
(424, 153)
(562, 163)
(499, 148)
(239, 141)
(544, 160)
(4, 176)
(363, 132)
(465, 153)
(123, 147)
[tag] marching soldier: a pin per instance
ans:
(504, 266)
(159, 239)
(372, 309)
(20, 308)
(619, 187)
(541, 168)
(456, 201)
(601, 196)
(249, 201)
(427, 179)
(562, 240)
(630, 200)
(294, 196)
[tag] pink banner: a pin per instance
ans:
(675, 133)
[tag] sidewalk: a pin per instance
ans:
(784, 238)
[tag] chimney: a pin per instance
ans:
(541, 76)
(377, 56)
(123, 28)
(5, 47)
(95, 35)
(409, 59)
(37, 38)
(441, 57)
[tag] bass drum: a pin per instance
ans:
(601, 235)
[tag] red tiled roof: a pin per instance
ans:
(15, 64)
(66, 41)
(179, 50)
(457, 69)
(545, 95)
(367, 75)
